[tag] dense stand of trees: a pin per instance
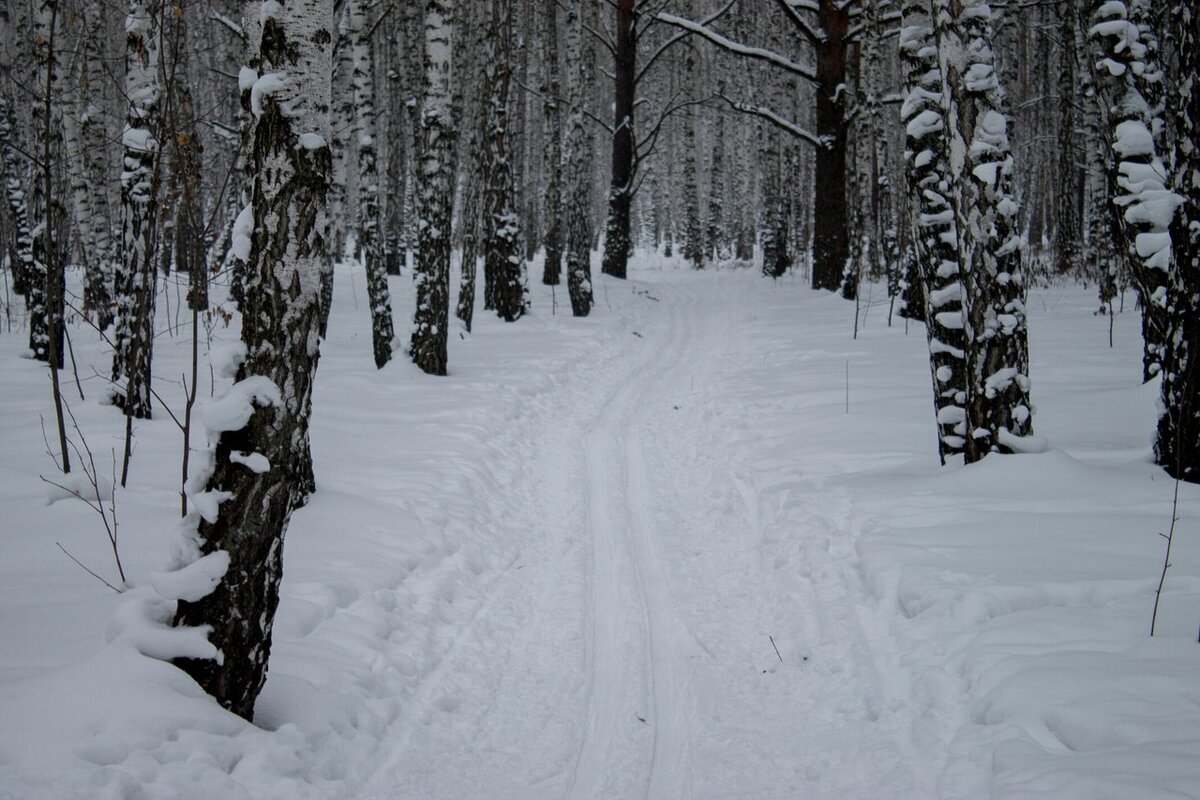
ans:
(954, 150)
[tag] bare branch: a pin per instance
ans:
(776, 120)
(756, 53)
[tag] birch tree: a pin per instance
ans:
(935, 234)
(133, 342)
(552, 143)
(504, 263)
(1177, 447)
(369, 236)
(999, 415)
(579, 160)
(261, 463)
(1130, 78)
(435, 192)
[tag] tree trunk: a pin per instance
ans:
(435, 189)
(934, 240)
(291, 164)
(617, 243)
(1177, 447)
(830, 226)
(999, 413)
(136, 284)
(368, 217)
(578, 158)
(502, 234)
(552, 151)
(1138, 178)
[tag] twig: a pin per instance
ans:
(74, 366)
(85, 569)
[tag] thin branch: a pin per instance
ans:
(85, 569)
(777, 121)
(800, 22)
(667, 45)
(756, 53)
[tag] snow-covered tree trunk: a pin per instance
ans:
(1177, 447)
(998, 410)
(693, 231)
(716, 239)
(552, 143)
(20, 242)
(435, 190)
(927, 157)
(579, 161)
(46, 280)
(343, 126)
(397, 157)
(502, 248)
(369, 238)
(81, 117)
(136, 279)
(1131, 82)
(472, 190)
(1067, 228)
(261, 464)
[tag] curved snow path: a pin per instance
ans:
(619, 509)
(626, 652)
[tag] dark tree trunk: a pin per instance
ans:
(1177, 447)
(830, 230)
(551, 87)
(502, 235)
(435, 189)
(282, 310)
(617, 242)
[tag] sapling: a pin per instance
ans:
(95, 499)
(1170, 537)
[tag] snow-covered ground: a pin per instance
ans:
(695, 546)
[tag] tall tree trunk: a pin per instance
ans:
(435, 188)
(999, 412)
(617, 243)
(136, 284)
(830, 227)
(578, 158)
(20, 244)
(46, 281)
(502, 234)
(291, 164)
(368, 216)
(1177, 447)
(552, 143)
(935, 236)
(1130, 78)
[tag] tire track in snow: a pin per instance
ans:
(619, 519)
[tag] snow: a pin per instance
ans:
(243, 230)
(311, 141)
(714, 559)
(265, 86)
(233, 409)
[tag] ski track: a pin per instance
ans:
(619, 515)
(628, 651)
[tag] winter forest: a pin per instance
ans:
(670, 399)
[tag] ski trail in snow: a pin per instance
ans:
(620, 523)
(668, 671)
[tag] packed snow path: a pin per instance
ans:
(630, 649)
(697, 545)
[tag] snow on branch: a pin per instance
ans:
(725, 43)
(775, 119)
